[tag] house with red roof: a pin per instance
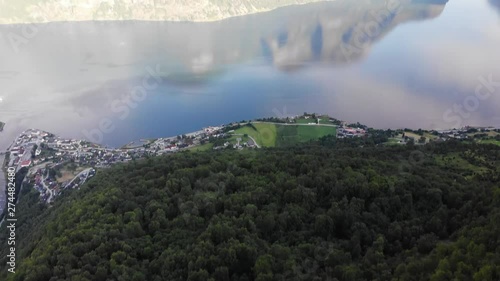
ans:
(26, 163)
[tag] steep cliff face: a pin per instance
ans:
(37, 11)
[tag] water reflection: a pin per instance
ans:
(331, 32)
(345, 58)
(341, 32)
(495, 4)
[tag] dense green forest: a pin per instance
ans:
(320, 211)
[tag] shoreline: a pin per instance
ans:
(88, 154)
(142, 141)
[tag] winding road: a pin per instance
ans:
(256, 144)
(51, 194)
(85, 172)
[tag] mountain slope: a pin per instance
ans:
(303, 213)
(29, 11)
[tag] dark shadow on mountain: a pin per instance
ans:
(495, 4)
(342, 31)
(333, 32)
(317, 41)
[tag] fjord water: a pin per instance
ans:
(413, 64)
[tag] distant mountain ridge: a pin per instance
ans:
(40, 11)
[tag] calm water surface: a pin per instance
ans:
(385, 64)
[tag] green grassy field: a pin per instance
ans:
(453, 161)
(490, 134)
(265, 135)
(270, 135)
(324, 120)
(430, 136)
(287, 135)
(203, 147)
(307, 133)
(489, 142)
(305, 121)
(393, 141)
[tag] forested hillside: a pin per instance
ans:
(309, 212)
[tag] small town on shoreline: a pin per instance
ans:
(53, 164)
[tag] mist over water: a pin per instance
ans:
(397, 66)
